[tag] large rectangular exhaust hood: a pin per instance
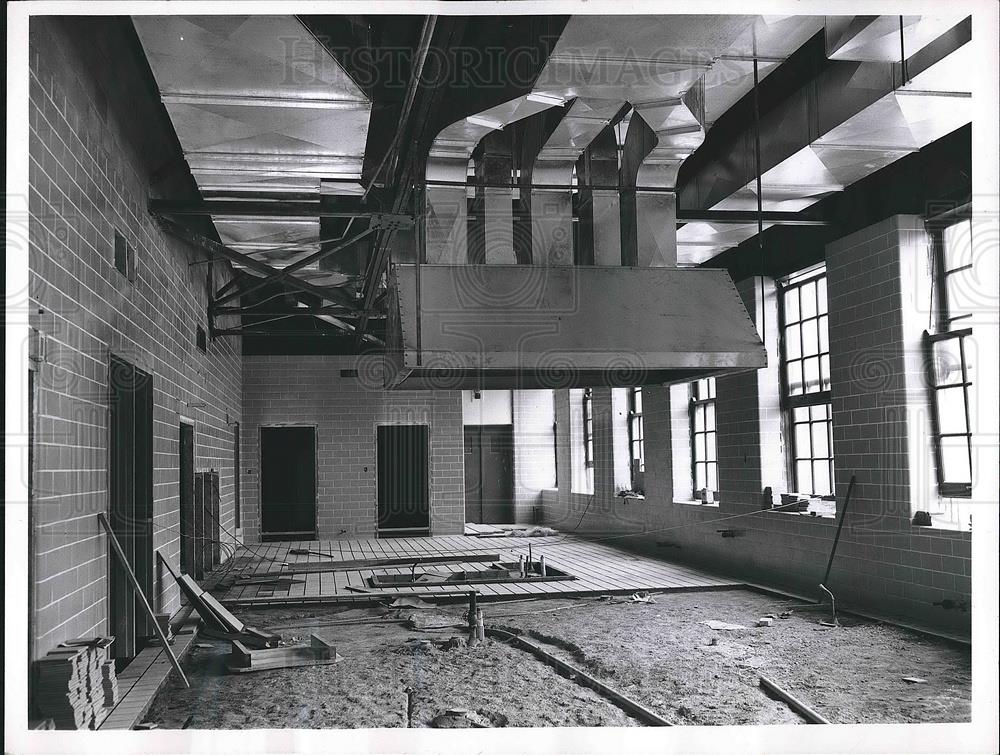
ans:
(528, 326)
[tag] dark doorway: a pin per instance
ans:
(489, 474)
(288, 483)
(186, 463)
(403, 489)
(130, 451)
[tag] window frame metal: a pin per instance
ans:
(944, 325)
(635, 419)
(587, 401)
(788, 402)
(695, 402)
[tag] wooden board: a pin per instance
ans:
(244, 659)
(301, 567)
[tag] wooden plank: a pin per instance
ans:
(232, 623)
(318, 567)
(123, 562)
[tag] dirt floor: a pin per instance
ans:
(661, 654)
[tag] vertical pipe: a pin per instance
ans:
(760, 194)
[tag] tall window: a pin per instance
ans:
(805, 345)
(704, 459)
(588, 428)
(636, 437)
(949, 364)
(555, 448)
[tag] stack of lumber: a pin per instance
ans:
(76, 683)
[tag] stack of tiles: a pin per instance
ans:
(76, 683)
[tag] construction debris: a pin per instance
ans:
(460, 718)
(640, 597)
(523, 532)
(250, 636)
(407, 602)
(914, 680)
(426, 621)
(318, 652)
(76, 685)
(721, 625)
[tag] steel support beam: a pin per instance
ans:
(221, 250)
(277, 209)
(741, 217)
(286, 272)
(277, 312)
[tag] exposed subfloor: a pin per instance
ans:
(596, 567)
(660, 654)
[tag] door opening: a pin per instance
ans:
(489, 474)
(186, 464)
(403, 481)
(287, 483)
(131, 498)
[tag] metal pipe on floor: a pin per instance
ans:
(581, 677)
(794, 703)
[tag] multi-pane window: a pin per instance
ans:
(636, 436)
(704, 458)
(948, 357)
(812, 437)
(805, 346)
(588, 428)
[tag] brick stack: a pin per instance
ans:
(76, 683)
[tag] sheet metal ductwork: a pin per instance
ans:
(864, 112)
(553, 324)
(259, 106)
(529, 326)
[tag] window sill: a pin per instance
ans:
(699, 504)
(804, 514)
(941, 525)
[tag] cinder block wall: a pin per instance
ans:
(534, 451)
(309, 390)
(884, 563)
(88, 176)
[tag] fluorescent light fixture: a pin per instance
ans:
(547, 99)
(478, 120)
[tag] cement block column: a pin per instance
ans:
(534, 450)
(868, 375)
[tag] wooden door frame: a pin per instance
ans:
(260, 466)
